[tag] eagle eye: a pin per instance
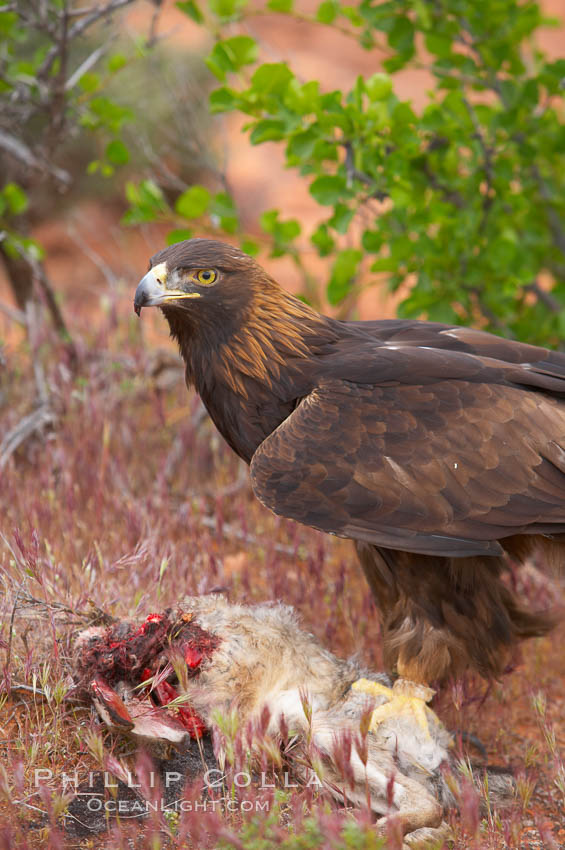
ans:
(205, 276)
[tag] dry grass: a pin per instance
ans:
(131, 501)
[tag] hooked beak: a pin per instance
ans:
(152, 292)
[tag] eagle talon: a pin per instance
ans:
(404, 698)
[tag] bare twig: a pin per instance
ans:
(77, 29)
(20, 151)
(45, 285)
(554, 219)
(10, 639)
(39, 418)
(479, 135)
(85, 66)
(152, 37)
(29, 806)
(28, 689)
(78, 13)
(93, 615)
(546, 298)
(35, 421)
(451, 195)
(354, 174)
(95, 258)
(14, 314)
(487, 164)
(38, 371)
(488, 314)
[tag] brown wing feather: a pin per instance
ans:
(447, 468)
(411, 333)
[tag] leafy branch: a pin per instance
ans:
(459, 190)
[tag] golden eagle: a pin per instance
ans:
(437, 449)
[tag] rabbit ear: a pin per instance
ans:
(139, 717)
(110, 706)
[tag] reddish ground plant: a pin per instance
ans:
(129, 502)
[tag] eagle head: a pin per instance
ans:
(219, 277)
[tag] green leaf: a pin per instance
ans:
(242, 50)
(327, 11)
(401, 195)
(301, 145)
(343, 271)
(271, 223)
(117, 153)
(104, 112)
(341, 219)
(378, 87)
(268, 220)
(15, 246)
(224, 210)
(194, 202)
(219, 62)
(151, 193)
(401, 36)
(267, 130)
(280, 5)
(289, 229)
(385, 264)
(178, 235)
(396, 63)
(223, 204)
(440, 311)
(282, 232)
(190, 8)
(438, 44)
(8, 24)
(249, 246)
(271, 78)
(403, 113)
(352, 15)
(222, 100)
(116, 63)
(231, 54)
(322, 240)
(372, 241)
(89, 82)
(553, 74)
(417, 303)
(226, 10)
(328, 189)
(147, 202)
(15, 198)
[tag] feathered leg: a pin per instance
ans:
(443, 616)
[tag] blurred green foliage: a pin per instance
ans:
(49, 92)
(461, 204)
(458, 205)
(81, 100)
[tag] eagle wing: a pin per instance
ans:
(444, 466)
